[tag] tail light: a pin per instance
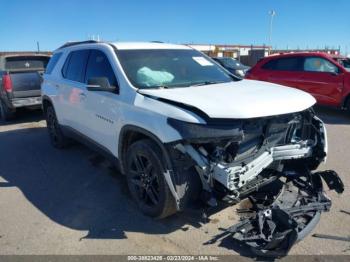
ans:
(7, 83)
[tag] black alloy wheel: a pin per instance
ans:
(145, 176)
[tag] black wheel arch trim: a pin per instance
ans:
(132, 128)
(45, 98)
(169, 164)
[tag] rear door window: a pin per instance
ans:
(99, 66)
(284, 64)
(318, 64)
(26, 62)
(52, 63)
(75, 64)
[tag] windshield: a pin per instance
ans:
(170, 68)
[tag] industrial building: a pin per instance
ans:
(247, 54)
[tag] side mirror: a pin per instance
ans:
(100, 84)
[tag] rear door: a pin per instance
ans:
(71, 90)
(284, 71)
(26, 74)
(323, 79)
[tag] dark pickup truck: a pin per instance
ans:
(20, 79)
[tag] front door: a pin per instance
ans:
(101, 109)
(323, 79)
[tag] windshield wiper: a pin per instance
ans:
(155, 87)
(162, 87)
(209, 83)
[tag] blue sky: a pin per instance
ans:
(298, 23)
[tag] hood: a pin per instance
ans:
(238, 100)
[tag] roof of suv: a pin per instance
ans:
(148, 45)
(129, 45)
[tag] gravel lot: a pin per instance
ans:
(68, 202)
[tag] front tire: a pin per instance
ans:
(56, 135)
(145, 169)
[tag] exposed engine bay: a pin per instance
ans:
(239, 159)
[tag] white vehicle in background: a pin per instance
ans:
(181, 128)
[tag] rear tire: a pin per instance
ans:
(5, 113)
(56, 135)
(145, 169)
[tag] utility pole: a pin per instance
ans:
(272, 13)
(38, 46)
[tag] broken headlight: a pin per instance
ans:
(198, 133)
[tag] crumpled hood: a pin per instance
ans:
(238, 100)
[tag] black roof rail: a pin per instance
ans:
(79, 43)
(156, 41)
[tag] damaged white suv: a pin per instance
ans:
(180, 127)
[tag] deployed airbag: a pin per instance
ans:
(149, 77)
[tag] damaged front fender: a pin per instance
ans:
(234, 154)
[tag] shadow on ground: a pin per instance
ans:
(75, 188)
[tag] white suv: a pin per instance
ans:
(177, 124)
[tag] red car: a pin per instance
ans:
(316, 73)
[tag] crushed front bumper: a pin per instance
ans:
(236, 176)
